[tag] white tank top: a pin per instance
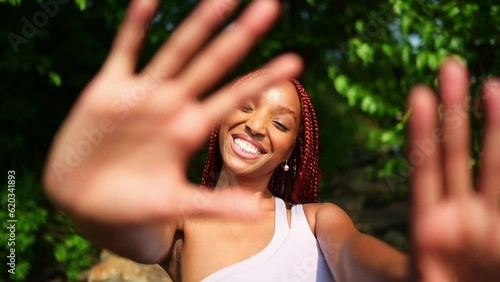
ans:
(293, 255)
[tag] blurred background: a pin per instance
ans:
(362, 57)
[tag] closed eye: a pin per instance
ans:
(281, 126)
(245, 109)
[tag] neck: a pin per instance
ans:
(257, 185)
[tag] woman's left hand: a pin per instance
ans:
(456, 228)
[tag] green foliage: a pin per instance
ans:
(38, 229)
(82, 4)
(71, 252)
(11, 2)
(406, 44)
(31, 218)
(55, 78)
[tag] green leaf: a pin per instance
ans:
(397, 6)
(332, 72)
(433, 61)
(368, 105)
(456, 43)
(439, 41)
(82, 4)
(55, 78)
(471, 9)
(311, 2)
(405, 24)
(341, 83)
(359, 26)
(352, 96)
(365, 53)
(428, 30)
(387, 49)
(61, 253)
(388, 137)
(406, 54)
(421, 60)
(11, 2)
(454, 12)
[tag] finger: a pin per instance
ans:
(125, 49)
(454, 87)
(230, 47)
(490, 167)
(229, 98)
(200, 118)
(434, 270)
(228, 202)
(189, 37)
(424, 154)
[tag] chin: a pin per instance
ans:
(238, 167)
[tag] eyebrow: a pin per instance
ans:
(286, 110)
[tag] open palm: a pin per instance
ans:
(121, 155)
(456, 227)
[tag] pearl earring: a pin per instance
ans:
(285, 166)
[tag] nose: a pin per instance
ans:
(255, 126)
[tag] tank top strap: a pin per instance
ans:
(299, 219)
(281, 221)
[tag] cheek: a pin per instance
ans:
(225, 126)
(283, 145)
(222, 135)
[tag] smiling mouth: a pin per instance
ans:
(246, 147)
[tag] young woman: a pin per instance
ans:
(270, 146)
(117, 166)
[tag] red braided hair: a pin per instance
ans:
(299, 185)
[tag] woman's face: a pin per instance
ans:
(258, 136)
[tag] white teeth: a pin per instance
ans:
(247, 147)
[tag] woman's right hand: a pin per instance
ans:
(121, 155)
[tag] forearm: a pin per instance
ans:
(365, 258)
(149, 244)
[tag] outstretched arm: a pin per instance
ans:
(353, 256)
(117, 166)
(456, 228)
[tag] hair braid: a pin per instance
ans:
(213, 164)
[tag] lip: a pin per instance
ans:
(243, 154)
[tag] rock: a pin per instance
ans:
(113, 268)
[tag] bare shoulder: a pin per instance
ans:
(325, 217)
